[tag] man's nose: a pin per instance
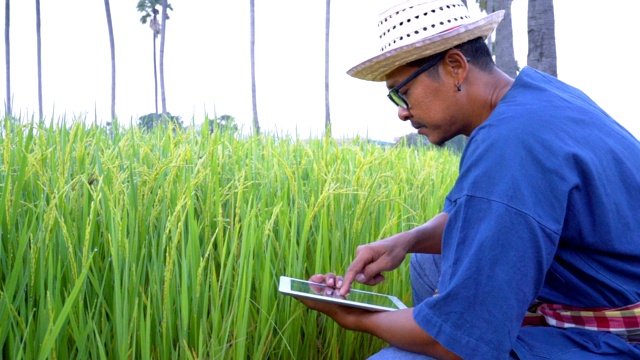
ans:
(404, 114)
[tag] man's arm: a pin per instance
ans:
(398, 328)
(427, 238)
(387, 254)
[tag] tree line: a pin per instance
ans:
(540, 29)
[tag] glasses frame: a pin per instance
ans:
(394, 94)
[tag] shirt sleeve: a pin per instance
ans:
(491, 273)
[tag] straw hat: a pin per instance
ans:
(416, 29)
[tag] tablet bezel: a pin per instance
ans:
(285, 288)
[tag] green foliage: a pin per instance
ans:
(483, 5)
(413, 139)
(151, 121)
(456, 144)
(169, 245)
(222, 123)
(148, 8)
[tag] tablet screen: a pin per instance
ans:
(362, 298)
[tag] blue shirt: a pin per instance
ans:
(546, 206)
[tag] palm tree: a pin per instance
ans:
(7, 52)
(542, 37)
(107, 9)
(150, 13)
(163, 29)
(155, 27)
(148, 7)
(39, 46)
(327, 121)
(256, 124)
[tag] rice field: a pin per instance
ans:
(126, 244)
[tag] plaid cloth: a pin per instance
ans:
(623, 321)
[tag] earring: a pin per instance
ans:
(459, 86)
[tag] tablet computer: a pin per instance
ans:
(355, 298)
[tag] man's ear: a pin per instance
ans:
(456, 66)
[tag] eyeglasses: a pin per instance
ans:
(397, 98)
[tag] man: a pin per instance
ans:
(545, 212)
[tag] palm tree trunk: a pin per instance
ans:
(505, 55)
(39, 46)
(7, 52)
(256, 124)
(542, 37)
(162, 40)
(155, 74)
(327, 121)
(489, 9)
(107, 9)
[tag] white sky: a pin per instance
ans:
(207, 65)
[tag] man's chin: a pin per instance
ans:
(437, 142)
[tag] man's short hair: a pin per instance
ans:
(476, 50)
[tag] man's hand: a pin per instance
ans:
(384, 255)
(372, 259)
(330, 286)
(347, 317)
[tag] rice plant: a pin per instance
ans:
(169, 244)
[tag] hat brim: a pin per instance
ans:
(377, 67)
